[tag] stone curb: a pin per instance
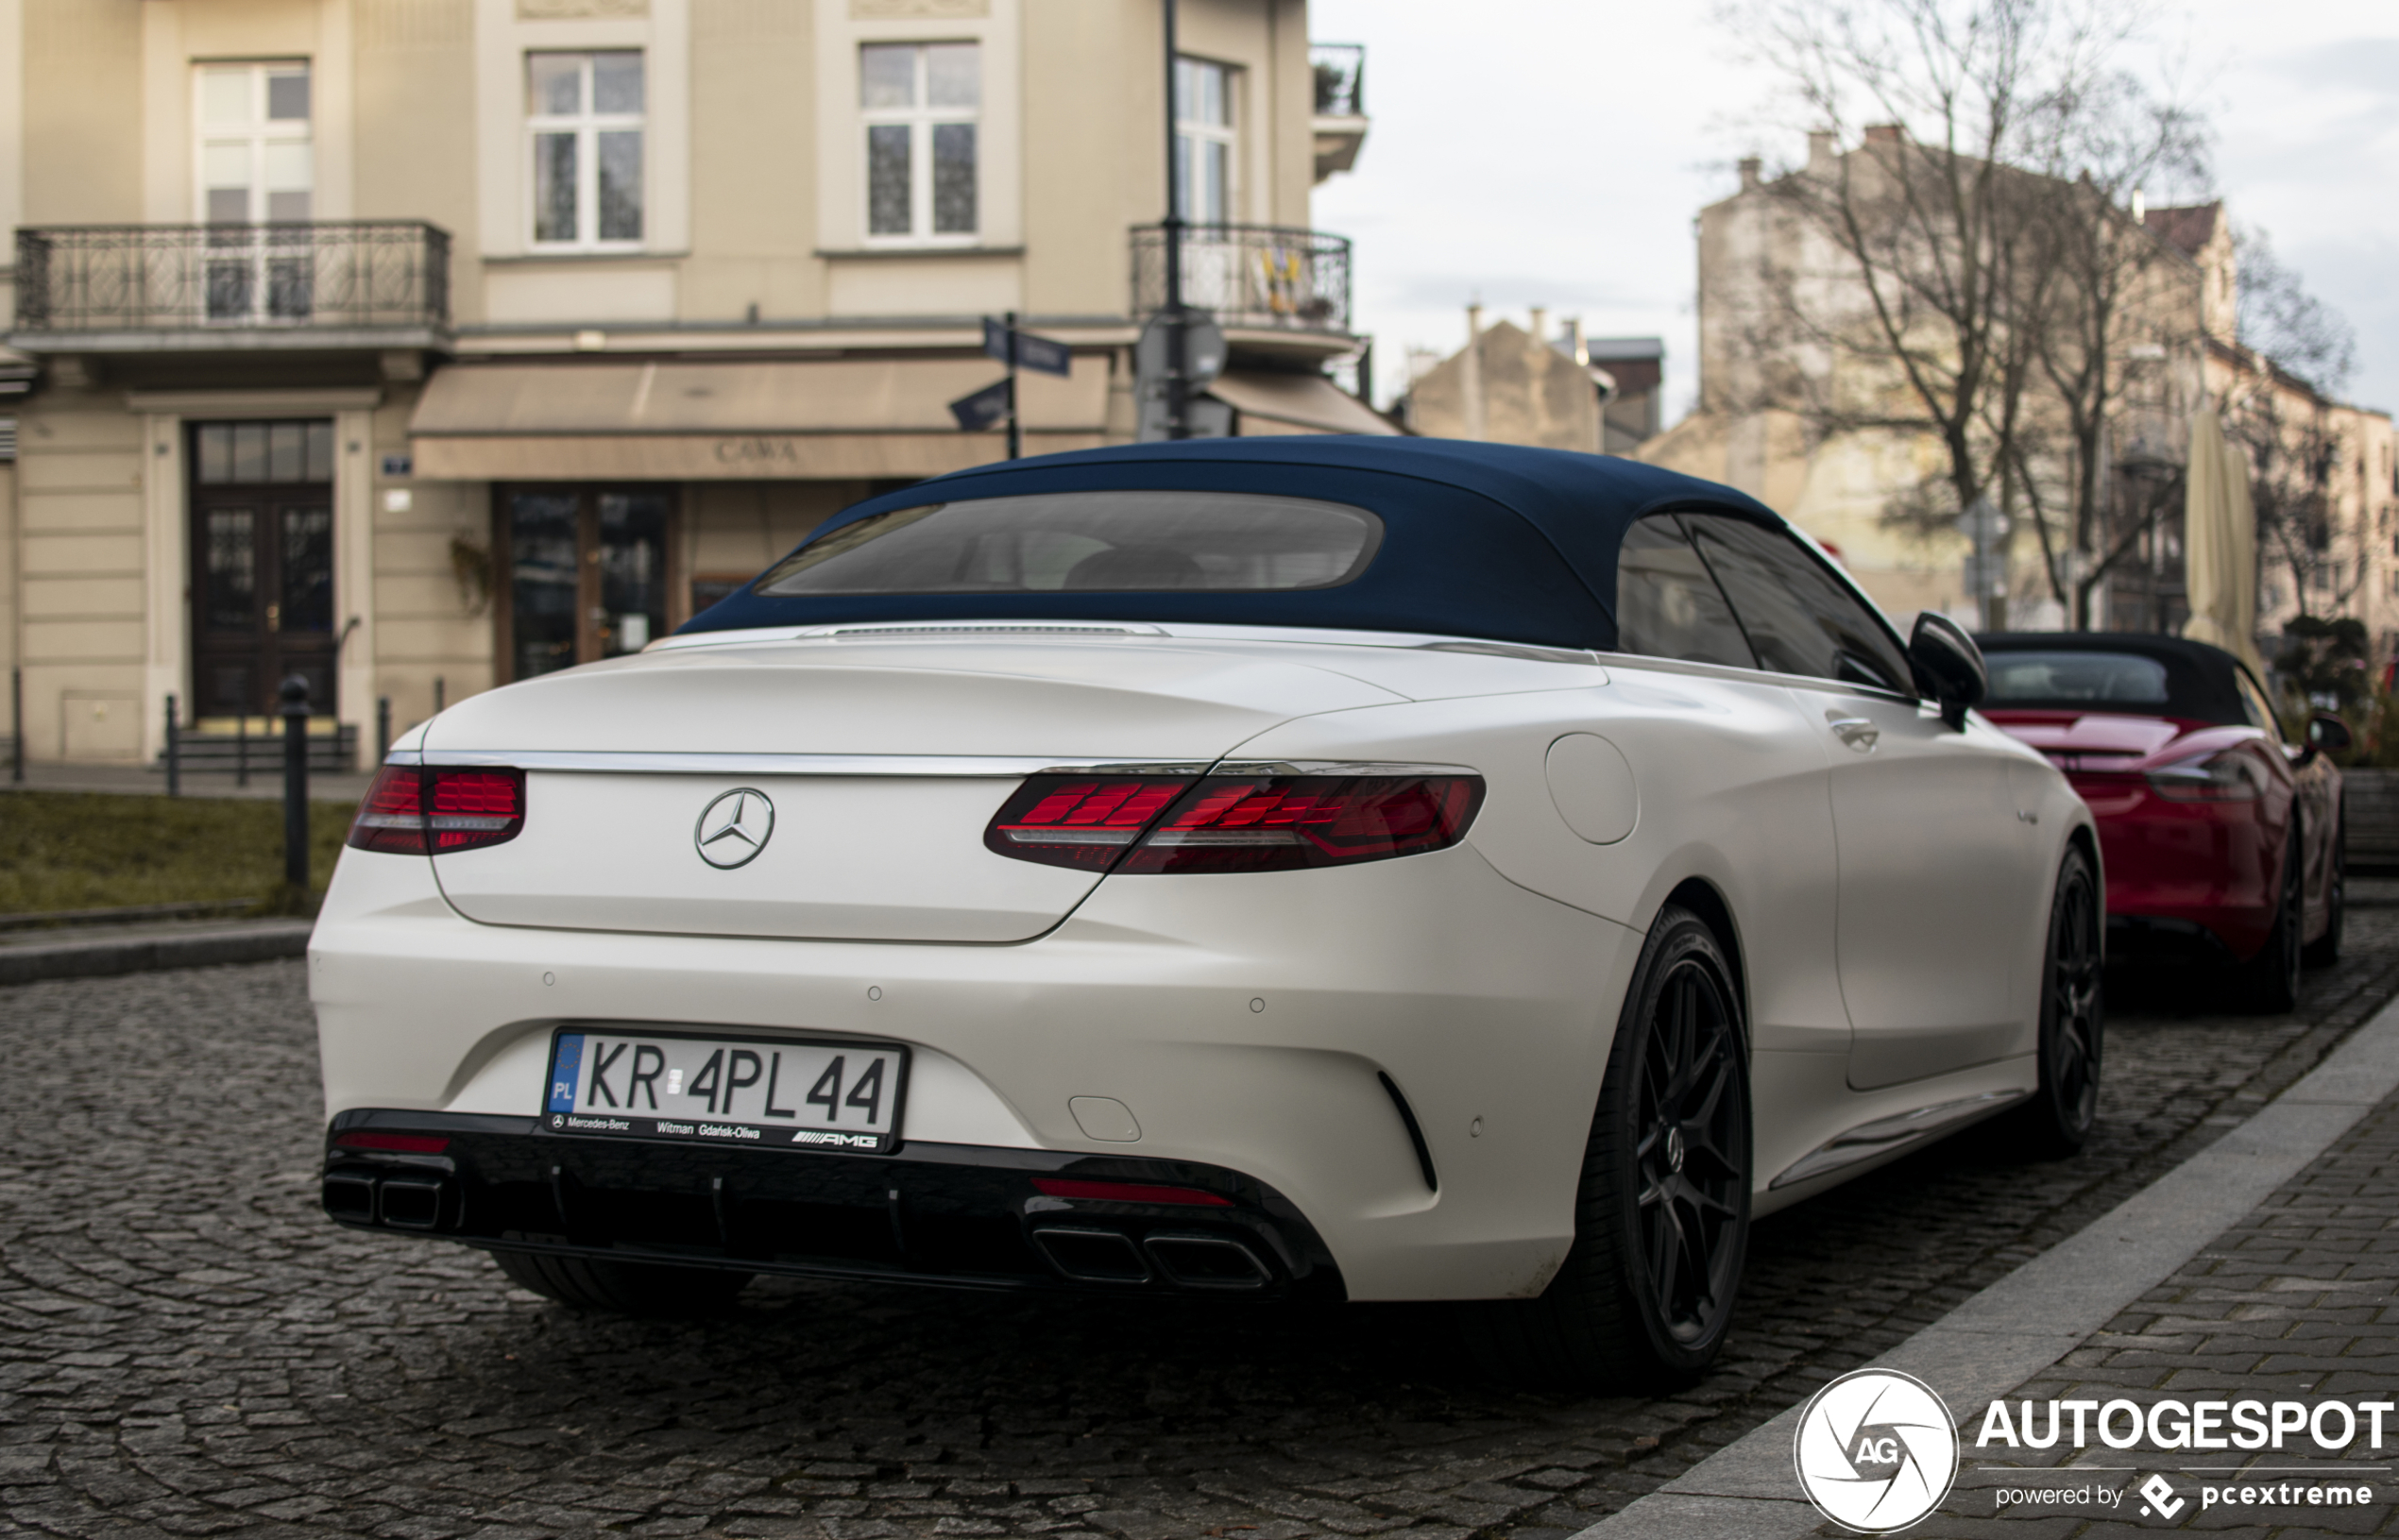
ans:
(255, 942)
(2034, 1316)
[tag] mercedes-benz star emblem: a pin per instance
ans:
(734, 828)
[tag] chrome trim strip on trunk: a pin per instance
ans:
(956, 767)
(1278, 769)
(1883, 1135)
(627, 763)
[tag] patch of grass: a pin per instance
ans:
(84, 850)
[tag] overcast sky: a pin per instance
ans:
(1555, 152)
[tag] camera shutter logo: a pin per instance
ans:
(734, 828)
(1876, 1451)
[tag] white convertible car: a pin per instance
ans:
(1308, 866)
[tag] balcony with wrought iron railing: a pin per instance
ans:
(323, 284)
(1252, 278)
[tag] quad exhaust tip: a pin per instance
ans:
(1207, 1261)
(1185, 1260)
(1093, 1256)
(405, 1201)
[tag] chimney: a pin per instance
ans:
(1885, 133)
(1751, 166)
(1821, 150)
(1540, 324)
(1575, 335)
(1470, 371)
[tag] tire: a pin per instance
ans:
(2058, 1120)
(1661, 1215)
(623, 1288)
(2269, 981)
(2325, 949)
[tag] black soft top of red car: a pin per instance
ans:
(2200, 679)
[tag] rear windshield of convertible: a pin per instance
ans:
(2076, 679)
(1087, 542)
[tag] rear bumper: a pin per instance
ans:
(954, 1214)
(1248, 1023)
(2176, 868)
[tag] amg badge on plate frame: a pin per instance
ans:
(734, 828)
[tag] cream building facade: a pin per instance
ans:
(2182, 352)
(414, 346)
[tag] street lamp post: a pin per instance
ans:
(1178, 400)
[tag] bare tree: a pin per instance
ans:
(2283, 322)
(1926, 227)
(1972, 273)
(2120, 320)
(2294, 353)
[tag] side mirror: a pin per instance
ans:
(1949, 666)
(2327, 734)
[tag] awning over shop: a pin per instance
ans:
(1293, 403)
(743, 420)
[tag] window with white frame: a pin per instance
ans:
(585, 115)
(923, 105)
(257, 160)
(1206, 164)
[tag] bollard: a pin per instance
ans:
(382, 728)
(440, 694)
(174, 753)
(295, 696)
(242, 751)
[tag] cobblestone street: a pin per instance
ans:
(188, 1347)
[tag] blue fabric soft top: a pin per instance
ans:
(1480, 540)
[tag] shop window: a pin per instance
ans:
(587, 575)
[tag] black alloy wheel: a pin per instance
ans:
(1645, 1295)
(2325, 949)
(2065, 1106)
(1691, 1155)
(2270, 980)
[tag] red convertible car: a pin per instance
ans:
(2217, 836)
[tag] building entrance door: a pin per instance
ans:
(262, 566)
(587, 573)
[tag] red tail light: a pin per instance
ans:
(1238, 823)
(410, 811)
(1080, 821)
(1231, 823)
(2232, 776)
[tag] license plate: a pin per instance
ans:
(754, 1093)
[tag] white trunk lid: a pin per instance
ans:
(883, 761)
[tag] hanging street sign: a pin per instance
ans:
(984, 410)
(1044, 355)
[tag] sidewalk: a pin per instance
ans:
(265, 783)
(2299, 1302)
(2264, 1267)
(96, 951)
